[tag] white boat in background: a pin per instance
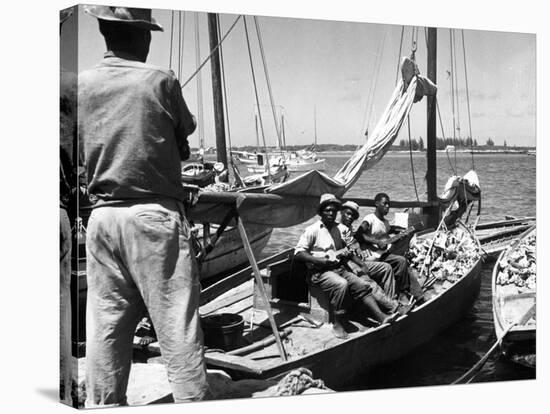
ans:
(306, 164)
(245, 157)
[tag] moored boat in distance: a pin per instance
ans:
(514, 295)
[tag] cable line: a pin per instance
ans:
(271, 100)
(211, 53)
(257, 98)
(468, 102)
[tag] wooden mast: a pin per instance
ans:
(315, 124)
(217, 89)
(431, 174)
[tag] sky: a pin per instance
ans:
(338, 76)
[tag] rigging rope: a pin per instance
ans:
(271, 100)
(411, 158)
(200, 108)
(444, 139)
(372, 90)
(236, 172)
(468, 102)
(399, 55)
(452, 84)
(179, 45)
(211, 53)
(455, 71)
(257, 98)
(171, 39)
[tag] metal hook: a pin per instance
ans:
(413, 50)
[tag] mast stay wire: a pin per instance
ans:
(180, 42)
(268, 81)
(457, 95)
(374, 81)
(257, 98)
(171, 39)
(413, 57)
(468, 101)
(200, 108)
(399, 55)
(205, 61)
(236, 172)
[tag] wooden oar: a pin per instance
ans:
(472, 372)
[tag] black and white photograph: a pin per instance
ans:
(255, 206)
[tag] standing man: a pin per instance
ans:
(318, 243)
(134, 124)
(372, 232)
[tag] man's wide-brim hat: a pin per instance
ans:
(353, 206)
(140, 18)
(327, 199)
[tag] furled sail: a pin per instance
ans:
(295, 201)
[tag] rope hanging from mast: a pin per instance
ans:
(271, 100)
(399, 54)
(372, 90)
(171, 39)
(180, 43)
(214, 50)
(200, 108)
(468, 102)
(257, 98)
(236, 172)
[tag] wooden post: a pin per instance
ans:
(217, 89)
(260, 283)
(431, 174)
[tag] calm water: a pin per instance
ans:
(508, 188)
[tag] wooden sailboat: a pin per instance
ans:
(278, 303)
(514, 293)
(497, 236)
(306, 160)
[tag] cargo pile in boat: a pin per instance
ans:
(453, 253)
(519, 267)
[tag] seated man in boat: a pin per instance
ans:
(319, 247)
(373, 234)
(377, 275)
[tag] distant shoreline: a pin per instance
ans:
(503, 152)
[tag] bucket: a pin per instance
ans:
(223, 331)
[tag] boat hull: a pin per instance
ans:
(318, 165)
(338, 365)
(519, 343)
(229, 253)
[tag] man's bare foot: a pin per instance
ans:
(146, 340)
(338, 331)
(403, 309)
(390, 318)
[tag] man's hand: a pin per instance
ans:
(382, 244)
(184, 150)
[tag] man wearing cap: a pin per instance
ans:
(376, 275)
(133, 124)
(374, 229)
(314, 247)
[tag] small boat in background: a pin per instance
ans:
(496, 236)
(245, 157)
(201, 173)
(305, 164)
(514, 283)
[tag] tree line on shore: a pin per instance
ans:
(403, 145)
